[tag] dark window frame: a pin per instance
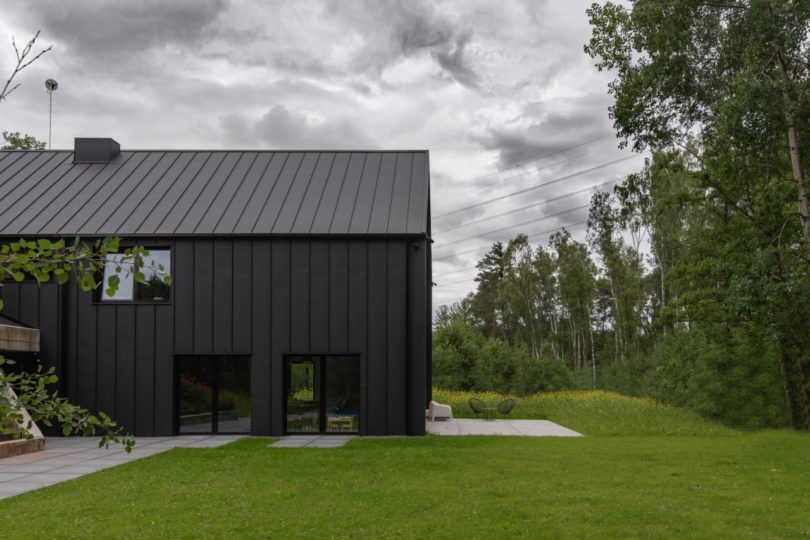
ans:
(321, 359)
(215, 383)
(98, 295)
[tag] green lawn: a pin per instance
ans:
(725, 484)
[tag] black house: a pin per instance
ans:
(301, 292)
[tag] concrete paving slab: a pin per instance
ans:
(71, 457)
(8, 477)
(312, 441)
(520, 428)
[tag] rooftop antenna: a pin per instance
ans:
(51, 85)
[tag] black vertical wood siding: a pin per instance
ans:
(265, 297)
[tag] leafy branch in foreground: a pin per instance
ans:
(30, 392)
(43, 260)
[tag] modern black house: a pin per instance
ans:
(301, 286)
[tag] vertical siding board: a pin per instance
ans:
(418, 357)
(357, 318)
(29, 304)
(280, 321)
(71, 329)
(319, 297)
(105, 358)
(86, 349)
(338, 296)
(164, 370)
(260, 366)
(203, 272)
(395, 361)
(222, 330)
(11, 300)
(242, 297)
(48, 312)
(125, 376)
(299, 290)
(183, 291)
(377, 327)
(145, 370)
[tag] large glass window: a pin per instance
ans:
(155, 265)
(323, 394)
(214, 394)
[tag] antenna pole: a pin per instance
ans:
(50, 116)
(50, 85)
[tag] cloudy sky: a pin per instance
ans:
(500, 92)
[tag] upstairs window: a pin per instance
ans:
(156, 265)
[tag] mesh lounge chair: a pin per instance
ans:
(506, 406)
(477, 406)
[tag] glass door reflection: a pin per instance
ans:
(303, 396)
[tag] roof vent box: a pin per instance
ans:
(95, 150)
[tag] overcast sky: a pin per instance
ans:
(499, 91)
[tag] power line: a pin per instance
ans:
(479, 248)
(500, 180)
(535, 220)
(473, 267)
(521, 164)
(541, 203)
(526, 190)
(535, 234)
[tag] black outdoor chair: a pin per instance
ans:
(477, 406)
(506, 406)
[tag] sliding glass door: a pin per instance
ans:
(323, 394)
(213, 394)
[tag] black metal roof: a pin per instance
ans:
(190, 192)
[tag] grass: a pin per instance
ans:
(706, 482)
(594, 412)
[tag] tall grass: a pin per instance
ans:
(594, 412)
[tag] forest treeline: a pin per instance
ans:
(693, 283)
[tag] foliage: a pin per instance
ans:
(592, 412)
(729, 85)
(465, 360)
(80, 264)
(32, 394)
(16, 141)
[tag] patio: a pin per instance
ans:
(71, 457)
(522, 428)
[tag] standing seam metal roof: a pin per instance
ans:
(213, 192)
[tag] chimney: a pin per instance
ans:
(95, 150)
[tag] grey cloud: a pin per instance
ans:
(552, 131)
(104, 29)
(455, 62)
(281, 127)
